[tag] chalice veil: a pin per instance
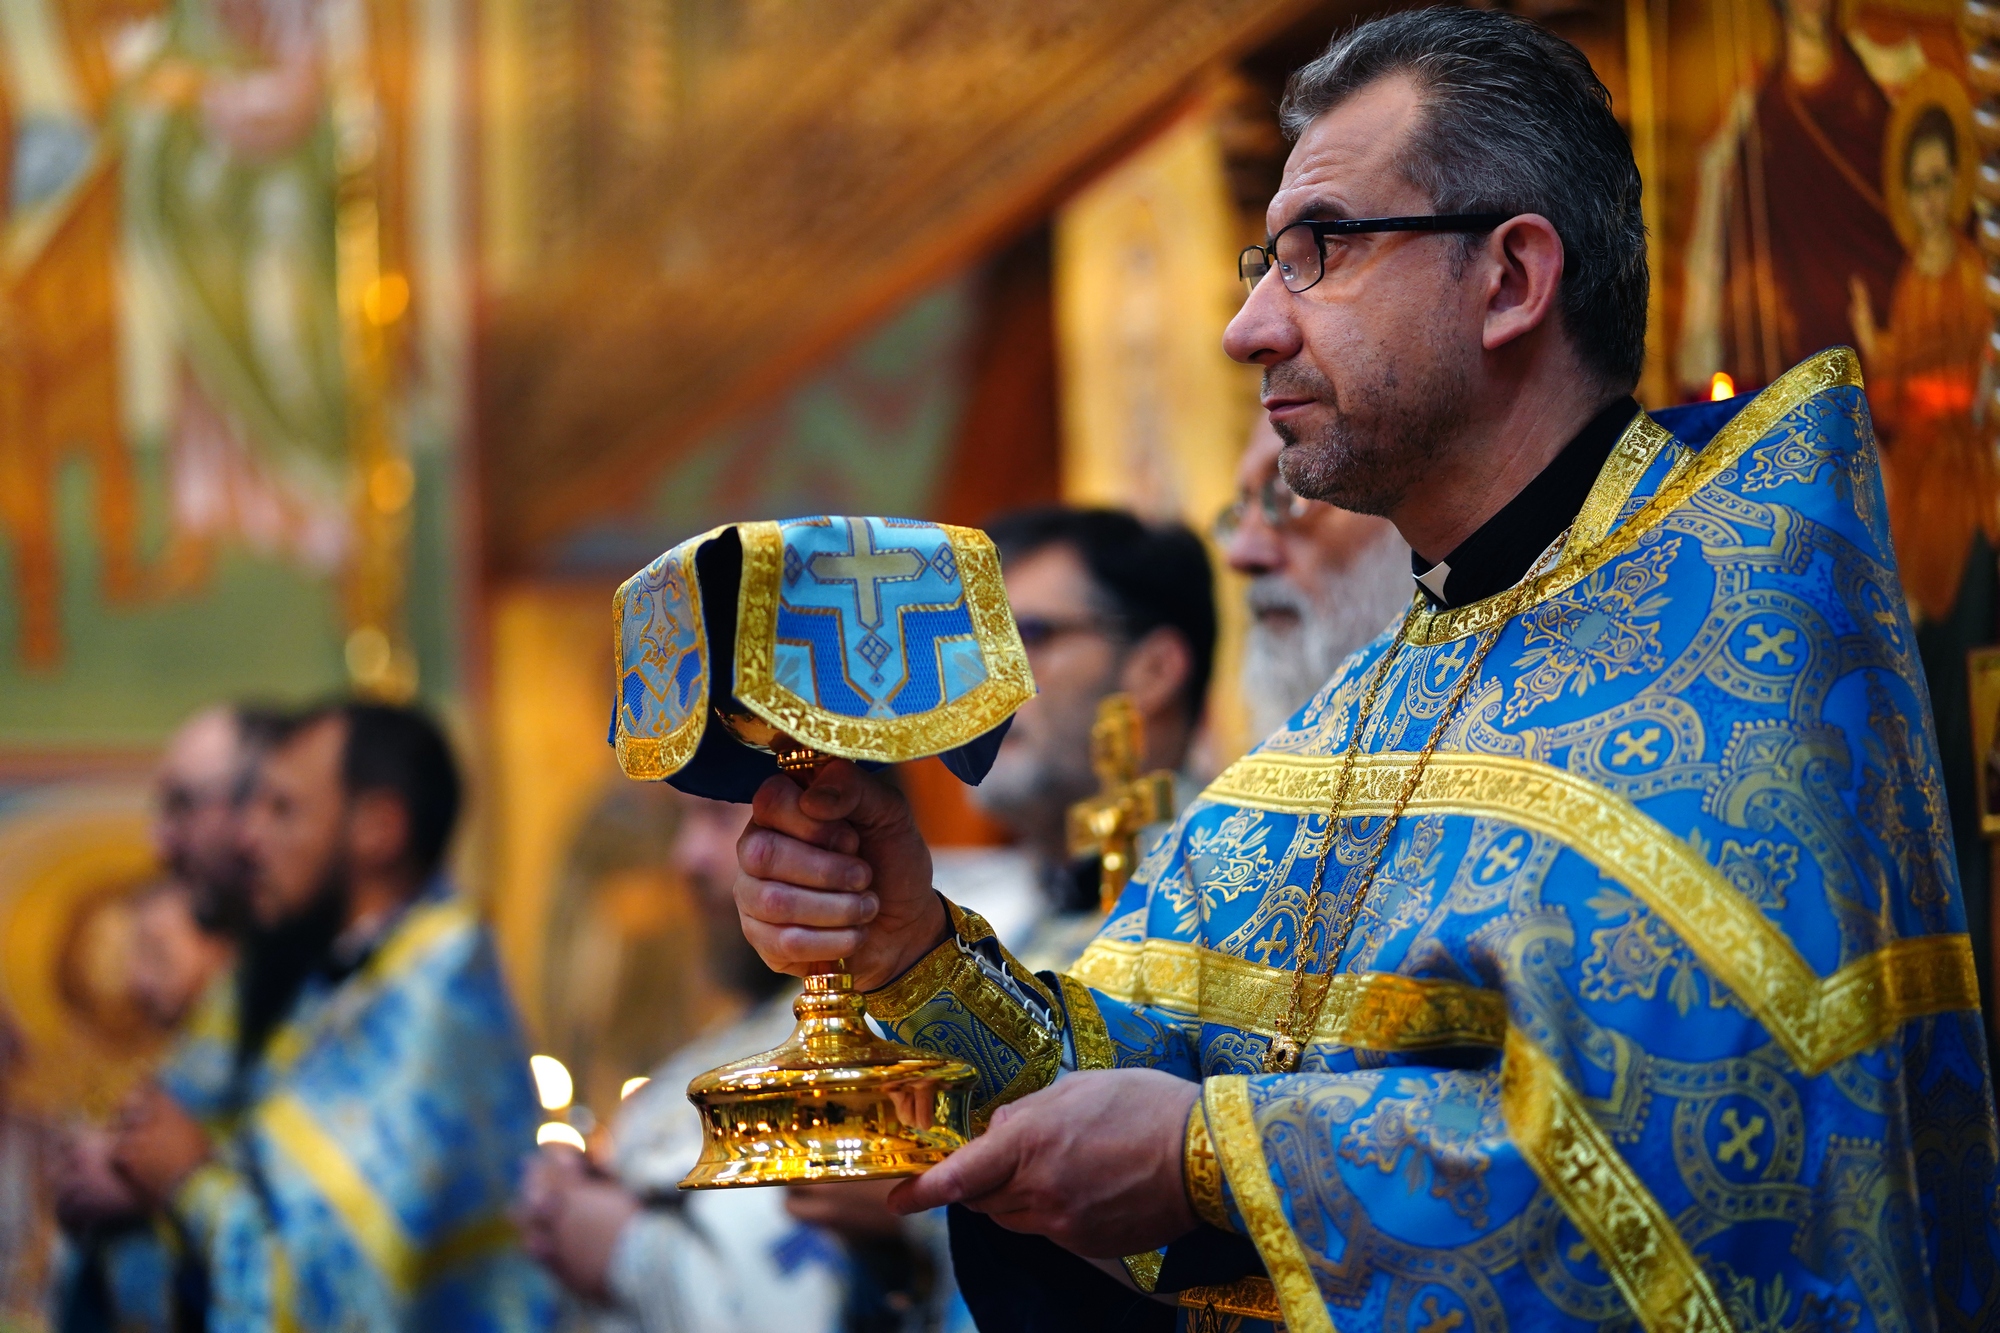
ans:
(761, 648)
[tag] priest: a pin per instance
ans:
(1589, 950)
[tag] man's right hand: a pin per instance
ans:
(837, 871)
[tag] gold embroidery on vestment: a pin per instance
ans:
(1144, 1268)
(1638, 446)
(1008, 684)
(1251, 1297)
(1836, 367)
(1819, 1022)
(1086, 1026)
(1239, 1146)
(948, 968)
(1603, 1197)
(1376, 1011)
(1202, 1173)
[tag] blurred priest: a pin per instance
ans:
(379, 1108)
(1590, 949)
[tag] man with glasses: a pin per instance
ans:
(1590, 951)
(1323, 582)
(1104, 603)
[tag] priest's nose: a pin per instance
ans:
(1265, 331)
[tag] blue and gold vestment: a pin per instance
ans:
(1660, 1014)
(365, 1181)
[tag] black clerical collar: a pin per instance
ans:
(1500, 553)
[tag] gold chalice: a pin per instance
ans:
(873, 640)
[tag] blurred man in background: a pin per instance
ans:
(117, 1273)
(624, 1238)
(380, 1097)
(1323, 581)
(1104, 603)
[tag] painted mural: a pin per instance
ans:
(207, 484)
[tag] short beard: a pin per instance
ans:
(277, 960)
(1376, 445)
(1284, 669)
(1031, 790)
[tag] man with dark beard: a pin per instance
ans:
(1323, 582)
(1105, 603)
(379, 1099)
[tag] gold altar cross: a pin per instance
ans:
(1109, 822)
(865, 568)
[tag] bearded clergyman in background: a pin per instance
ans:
(377, 1110)
(1589, 951)
(1323, 582)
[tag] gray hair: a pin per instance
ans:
(1515, 121)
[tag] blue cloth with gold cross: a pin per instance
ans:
(1660, 1013)
(368, 1162)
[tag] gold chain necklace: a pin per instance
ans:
(1288, 1046)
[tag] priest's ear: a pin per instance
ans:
(1157, 671)
(1520, 268)
(378, 832)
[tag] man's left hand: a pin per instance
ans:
(1093, 1163)
(158, 1143)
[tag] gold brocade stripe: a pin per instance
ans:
(1375, 1011)
(1637, 448)
(1819, 1023)
(1201, 1173)
(1836, 367)
(1239, 1146)
(1009, 683)
(946, 968)
(1086, 1026)
(1251, 1297)
(369, 1220)
(1603, 1197)
(373, 1225)
(467, 1245)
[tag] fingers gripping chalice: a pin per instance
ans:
(763, 648)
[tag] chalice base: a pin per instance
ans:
(835, 1102)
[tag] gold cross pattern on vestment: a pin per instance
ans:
(866, 568)
(1126, 802)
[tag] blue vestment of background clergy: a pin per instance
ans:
(365, 1182)
(1660, 1014)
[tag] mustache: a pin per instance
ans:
(1273, 592)
(1295, 379)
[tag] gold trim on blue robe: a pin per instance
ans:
(1660, 1013)
(368, 1174)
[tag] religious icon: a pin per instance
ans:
(1983, 666)
(1788, 211)
(1925, 366)
(870, 639)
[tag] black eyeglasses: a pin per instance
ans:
(1299, 251)
(1040, 631)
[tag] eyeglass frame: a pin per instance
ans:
(1039, 632)
(1323, 228)
(1279, 505)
